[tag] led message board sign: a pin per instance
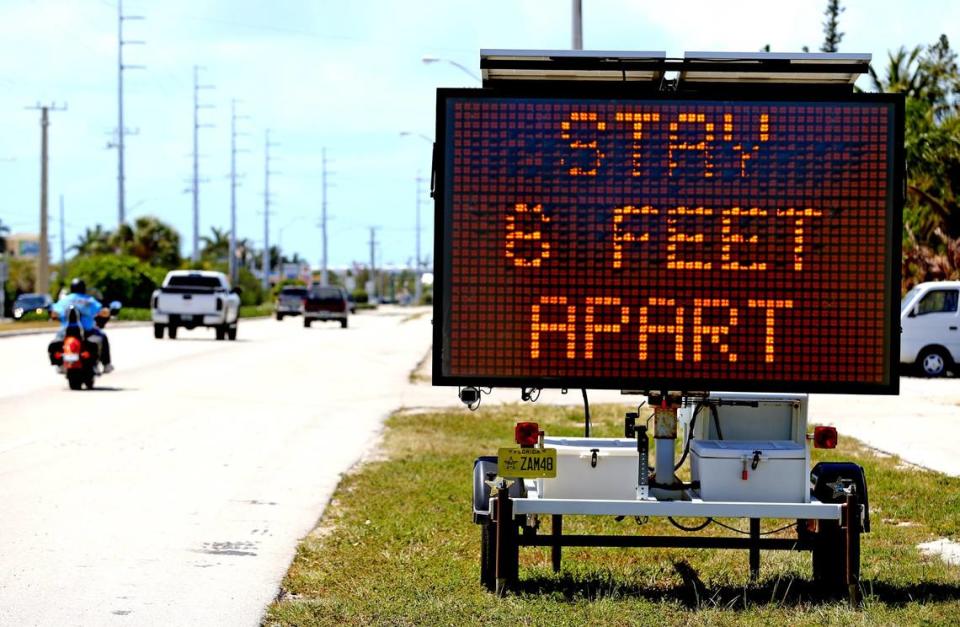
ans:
(667, 243)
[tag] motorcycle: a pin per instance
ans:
(77, 355)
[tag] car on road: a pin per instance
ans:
(31, 303)
(194, 298)
(930, 328)
(290, 301)
(326, 303)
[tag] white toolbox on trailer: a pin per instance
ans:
(759, 471)
(593, 468)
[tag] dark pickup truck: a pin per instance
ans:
(326, 303)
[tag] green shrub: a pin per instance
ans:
(118, 277)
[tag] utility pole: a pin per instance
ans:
(63, 245)
(265, 265)
(43, 262)
(121, 130)
(578, 24)
(418, 269)
(234, 269)
(323, 271)
(196, 158)
(373, 263)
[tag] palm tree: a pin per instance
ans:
(216, 247)
(903, 73)
(150, 240)
(95, 241)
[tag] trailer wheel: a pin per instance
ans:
(488, 555)
(830, 559)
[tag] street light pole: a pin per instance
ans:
(463, 68)
(577, 24)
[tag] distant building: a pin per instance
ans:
(23, 245)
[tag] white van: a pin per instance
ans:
(930, 327)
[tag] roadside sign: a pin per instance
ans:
(604, 239)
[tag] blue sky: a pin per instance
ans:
(347, 76)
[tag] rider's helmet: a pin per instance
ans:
(78, 286)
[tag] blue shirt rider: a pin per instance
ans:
(87, 308)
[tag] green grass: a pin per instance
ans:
(397, 546)
(137, 314)
(256, 311)
(28, 325)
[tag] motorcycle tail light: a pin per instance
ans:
(825, 437)
(527, 434)
(71, 345)
(85, 355)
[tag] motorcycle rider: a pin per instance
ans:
(87, 308)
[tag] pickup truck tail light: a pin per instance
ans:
(219, 304)
(156, 301)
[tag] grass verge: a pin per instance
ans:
(397, 546)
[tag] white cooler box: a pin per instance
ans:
(724, 469)
(612, 477)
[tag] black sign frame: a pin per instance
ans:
(443, 207)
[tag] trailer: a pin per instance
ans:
(718, 234)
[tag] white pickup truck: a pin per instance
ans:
(194, 298)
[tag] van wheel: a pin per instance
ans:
(933, 362)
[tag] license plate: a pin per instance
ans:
(527, 463)
(186, 318)
(71, 357)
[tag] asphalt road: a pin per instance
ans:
(177, 492)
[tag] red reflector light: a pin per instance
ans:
(825, 437)
(71, 345)
(527, 434)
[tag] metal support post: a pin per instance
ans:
(754, 548)
(850, 520)
(556, 531)
(506, 563)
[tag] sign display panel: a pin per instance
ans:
(683, 244)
